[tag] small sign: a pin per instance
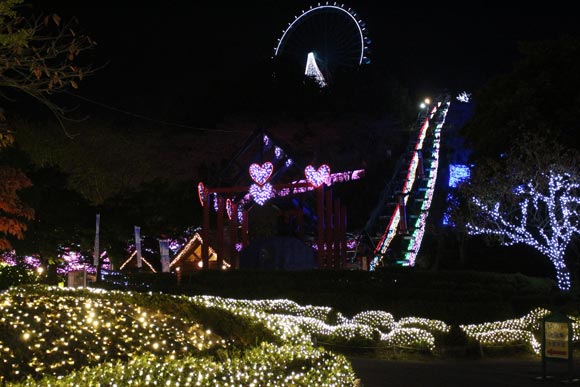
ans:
(557, 342)
(77, 279)
(557, 345)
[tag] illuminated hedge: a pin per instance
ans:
(523, 330)
(265, 365)
(80, 335)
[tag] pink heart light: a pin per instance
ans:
(317, 177)
(261, 193)
(229, 208)
(261, 174)
(201, 193)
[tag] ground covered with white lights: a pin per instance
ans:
(69, 337)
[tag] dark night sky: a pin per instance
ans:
(195, 52)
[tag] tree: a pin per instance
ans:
(540, 96)
(37, 58)
(547, 220)
(39, 55)
(13, 212)
(63, 218)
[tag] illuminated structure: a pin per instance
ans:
(131, 263)
(420, 174)
(292, 186)
(337, 35)
(313, 71)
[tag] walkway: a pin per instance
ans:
(459, 373)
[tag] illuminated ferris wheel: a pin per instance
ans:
(324, 40)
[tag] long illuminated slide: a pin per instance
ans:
(432, 156)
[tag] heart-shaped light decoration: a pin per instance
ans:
(261, 173)
(261, 193)
(229, 208)
(317, 177)
(201, 193)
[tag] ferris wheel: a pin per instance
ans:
(327, 37)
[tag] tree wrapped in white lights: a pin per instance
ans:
(546, 219)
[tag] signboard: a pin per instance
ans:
(557, 342)
(76, 279)
(557, 345)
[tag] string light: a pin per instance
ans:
(463, 97)
(261, 193)
(229, 208)
(46, 331)
(547, 221)
(418, 228)
(390, 231)
(416, 236)
(317, 177)
(458, 173)
(261, 173)
(313, 71)
(278, 152)
(201, 193)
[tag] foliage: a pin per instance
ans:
(39, 54)
(62, 217)
(298, 366)
(111, 162)
(48, 334)
(38, 58)
(13, 212)
(54, 332)
(539, 97)
(15, 275)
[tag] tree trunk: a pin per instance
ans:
(562, 273)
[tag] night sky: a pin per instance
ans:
(167, 59)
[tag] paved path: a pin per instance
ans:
(459, 373)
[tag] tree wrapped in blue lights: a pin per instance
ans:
(546, 217)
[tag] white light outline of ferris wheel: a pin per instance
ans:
(319, 7)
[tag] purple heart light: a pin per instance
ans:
(261, 193)
(261, 173)
(317, 177)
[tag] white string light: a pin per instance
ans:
(546, 221)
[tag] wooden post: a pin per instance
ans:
(403, 213)
(336, 229)
(420, 165)
(343, 247)
(220, 233)
(244, 228)
(205, 234)
(320, 225)
(300, 222)
(328, 228)
(234, 238)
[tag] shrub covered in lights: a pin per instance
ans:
(65, 337)
(75, 337)
(525, 330)
(12, 275)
